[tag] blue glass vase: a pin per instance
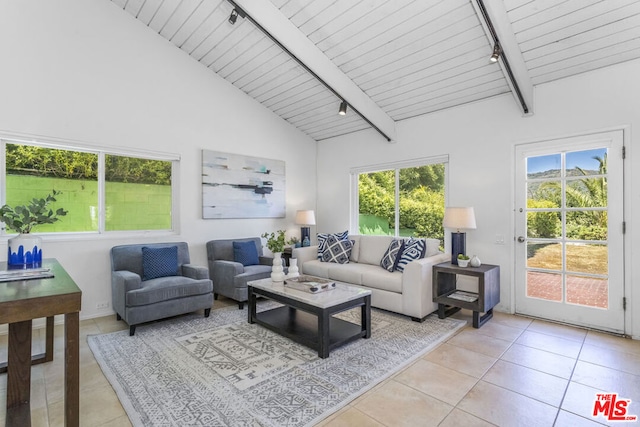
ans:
(25, 251)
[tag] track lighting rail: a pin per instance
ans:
(505, 61)
(243, 14)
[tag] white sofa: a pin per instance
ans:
(408, 292)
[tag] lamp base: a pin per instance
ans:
(458, 243)
(305, 236)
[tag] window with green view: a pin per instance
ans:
(137, 191)
(405, 201)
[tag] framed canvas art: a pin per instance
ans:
(237, 186)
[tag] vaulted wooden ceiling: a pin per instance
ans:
(392, 59)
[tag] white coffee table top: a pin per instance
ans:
(340, 294)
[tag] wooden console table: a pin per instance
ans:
(445, 290)
(22, 301)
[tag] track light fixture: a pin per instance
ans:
(500, 54)
(233, 17)
(496, 53)
(343, 108)
(235, 13)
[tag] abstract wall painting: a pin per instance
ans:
(237, 186)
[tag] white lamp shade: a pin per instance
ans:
(459, 218)
(305, 218)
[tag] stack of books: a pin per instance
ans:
(464, 296)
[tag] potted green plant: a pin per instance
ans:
(463, 260)
(25, 249)
(275, 241)
(294, 241)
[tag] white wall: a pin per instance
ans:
(87, 71)
(480, 139)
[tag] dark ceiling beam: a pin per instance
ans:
(496, 24)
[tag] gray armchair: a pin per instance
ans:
(140, 297)
(229, 277)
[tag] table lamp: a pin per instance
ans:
(305, 218)
(458, 219)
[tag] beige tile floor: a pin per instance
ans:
(513, 371)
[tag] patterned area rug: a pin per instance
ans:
(222, 371)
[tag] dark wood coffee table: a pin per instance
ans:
(307, 318)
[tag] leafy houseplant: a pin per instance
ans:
(275, 241)
(294, 241)
(24, 218)
(25, 250)
(463, 260)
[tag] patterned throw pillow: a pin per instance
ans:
(245, 253)
(390, 258)
(413, 250)
(337, 251)
(322, 240)
(159, 262)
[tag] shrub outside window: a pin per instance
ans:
(402, 201)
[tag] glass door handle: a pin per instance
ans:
(521, 239)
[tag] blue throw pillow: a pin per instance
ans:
(390, 258)
(159, 262)
(413, 250)
(337, 251)
(245, 253)
(322, 240)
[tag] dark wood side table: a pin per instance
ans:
(287, 253)
(446, 294)
(22, 301)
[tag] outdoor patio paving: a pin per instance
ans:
(580, 290)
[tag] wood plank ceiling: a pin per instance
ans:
(410, 57)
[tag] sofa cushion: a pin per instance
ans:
(245, 253)
(167, 288)
(413, 249)
(159, 262)
(337, 251)
(433, 247)
(348, 273)
(378, 278)
(322, 240)
(317, 268)
(251, 272)
(372, 248)
(389, 260)
(355, 251)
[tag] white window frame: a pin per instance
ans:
(354, 225)
(101, 152)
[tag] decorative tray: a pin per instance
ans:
(24, 274)
(310, 284)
